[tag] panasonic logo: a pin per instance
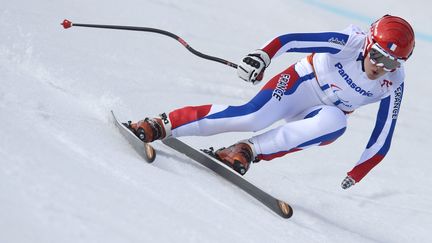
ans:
(350, 82)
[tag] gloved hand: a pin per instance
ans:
(251, 68)
(348, 182)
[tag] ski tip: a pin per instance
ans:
(150, 153)
(286, 209)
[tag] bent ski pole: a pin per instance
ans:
(67, 24)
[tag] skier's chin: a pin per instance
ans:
(374, 75)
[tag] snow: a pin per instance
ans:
(66, 174)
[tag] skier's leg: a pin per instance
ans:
(286, 94)
(319, 125)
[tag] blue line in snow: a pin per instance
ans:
(353, 15)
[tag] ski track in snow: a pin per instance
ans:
(67, 175)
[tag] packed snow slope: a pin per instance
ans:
(66, 174)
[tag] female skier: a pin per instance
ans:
(345, 70)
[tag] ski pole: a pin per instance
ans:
(67, 24)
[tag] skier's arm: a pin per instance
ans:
(252, 67)
(380, 140)
(325, 42)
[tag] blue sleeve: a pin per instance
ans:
(325, 42)
(380, 140)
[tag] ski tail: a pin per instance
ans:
(278, 206)
(145, 150)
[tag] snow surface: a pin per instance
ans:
(67, 175)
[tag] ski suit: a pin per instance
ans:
(313, 95)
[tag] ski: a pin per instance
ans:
(145, 150)
(280, 207)
(148, 153)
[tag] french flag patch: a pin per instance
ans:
(391, 46)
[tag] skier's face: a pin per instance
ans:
(373, 71)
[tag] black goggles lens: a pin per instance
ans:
(387, 62)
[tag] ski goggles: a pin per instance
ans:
(379, 57)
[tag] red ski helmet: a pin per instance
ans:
(393, 34)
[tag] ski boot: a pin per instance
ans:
(149, 129)
(238, 156)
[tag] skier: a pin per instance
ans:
(345, 70)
